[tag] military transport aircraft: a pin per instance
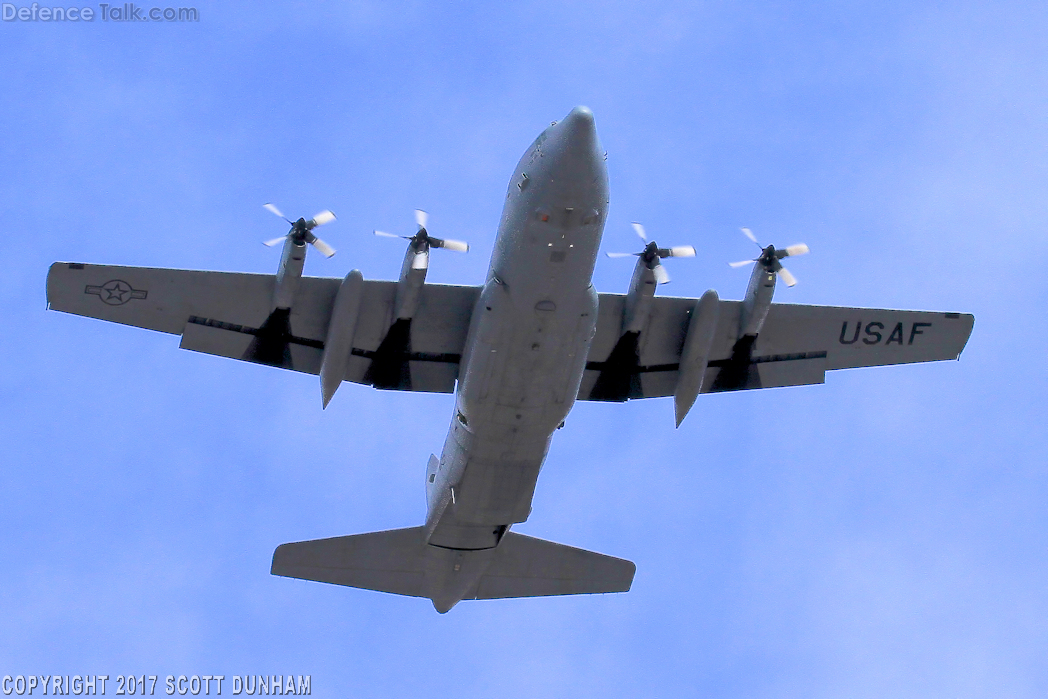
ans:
(517, 351)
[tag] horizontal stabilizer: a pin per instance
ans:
(400, 562)
(389, 561)
(528, 567)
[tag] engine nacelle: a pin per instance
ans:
(292, 259)
(409, 286)
(637, 308)
(757, 302)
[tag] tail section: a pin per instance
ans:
(528, 567)
(400, 562)
(388, 561)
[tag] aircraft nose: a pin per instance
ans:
(572, 152)
(579, 127)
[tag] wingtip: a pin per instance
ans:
(275, 567)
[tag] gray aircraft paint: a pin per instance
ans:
(518, 351)
(528, 340)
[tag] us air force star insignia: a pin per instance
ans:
(115, 292)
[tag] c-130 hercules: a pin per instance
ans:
(517, 352)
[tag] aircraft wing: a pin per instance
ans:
(230, 315)
(796, 346)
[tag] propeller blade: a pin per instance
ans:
(787, 277)
(322, 247)
(640, 231)
(274, 210)
(421, 218)
(456, 245)
(383, 234)
(680, 251)
(798, 249)
(622, 254)
(421, 260)
(271, 243)
(749, 234)
(323, 217)
(661, 275)
(741, 263)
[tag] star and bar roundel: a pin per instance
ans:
(115, 292)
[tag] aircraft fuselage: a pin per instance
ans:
(528, 340)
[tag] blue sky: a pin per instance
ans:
(881, 535)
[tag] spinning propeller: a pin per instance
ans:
(302, 231)
(422, 241)
(652, 254)
(770, 256)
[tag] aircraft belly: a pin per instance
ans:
(521, 379)
(512, 422)
(526, 349)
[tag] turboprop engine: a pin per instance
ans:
(293, 256)
(647, 274)
(761, 288)
(416, 263)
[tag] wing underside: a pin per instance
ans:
(796, 346)
(230, 315)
